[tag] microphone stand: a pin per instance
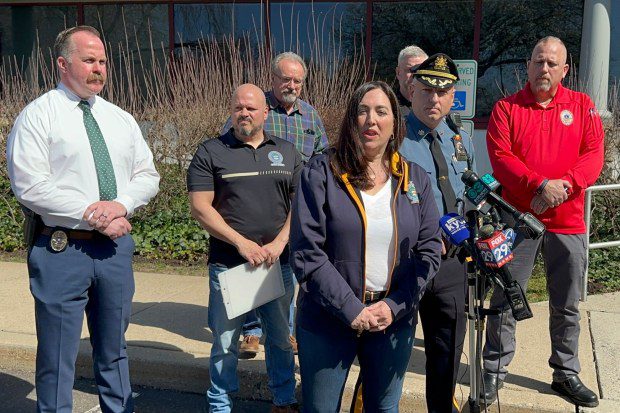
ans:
(476, 313)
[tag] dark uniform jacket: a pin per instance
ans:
(328, 245)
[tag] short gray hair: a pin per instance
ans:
(548, 39)
(287, 56)
(411, 51)
(63, 44)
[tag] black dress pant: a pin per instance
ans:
(442, 312)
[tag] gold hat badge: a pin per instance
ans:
(441, 63)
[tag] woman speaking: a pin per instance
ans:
(364, 243)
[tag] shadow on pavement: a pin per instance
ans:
(14, 395)
(186, 320)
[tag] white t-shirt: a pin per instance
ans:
(379, 237)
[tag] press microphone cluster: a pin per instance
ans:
(481, 192)
(491, 252)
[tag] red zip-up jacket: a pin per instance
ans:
(529, 143)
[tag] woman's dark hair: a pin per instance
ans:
(348, 155)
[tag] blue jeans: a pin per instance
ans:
(325, 360)
(224, 353)
(251, 326)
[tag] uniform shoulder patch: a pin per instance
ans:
(412, 194)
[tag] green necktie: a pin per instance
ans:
(103, 163)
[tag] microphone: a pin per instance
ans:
(455, 228)
(482, 189)
(494, 249)
(496, 252)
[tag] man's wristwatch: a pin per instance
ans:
(542, 186)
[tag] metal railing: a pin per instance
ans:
(596, 245)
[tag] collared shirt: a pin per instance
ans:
(51, 165)
(252, 188)
(303, 127)
(528, 143)
(416, 148)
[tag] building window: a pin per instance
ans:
(508, 34)
(130, 28)
(22, 28)
(435, 26)
(194, 22)
(312, 29)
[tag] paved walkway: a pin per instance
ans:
(169, 345)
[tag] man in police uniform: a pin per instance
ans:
(445, 151)
(240, 186)
(408, 58)
(82, 165)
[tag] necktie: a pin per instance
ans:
(103, 163)
(449, 198)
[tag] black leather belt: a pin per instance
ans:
(71, 233)
(372, 296)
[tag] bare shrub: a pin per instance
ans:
(179, 100)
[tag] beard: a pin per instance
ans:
(289, 96)
(248, 130)
(543, 85)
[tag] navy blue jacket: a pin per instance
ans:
(328, 244)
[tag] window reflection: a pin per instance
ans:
(131, 27)
(193, 22)
(508, 34)
(22, 28)
(311, 28)
(435, 26)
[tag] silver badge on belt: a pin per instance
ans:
(58, 241)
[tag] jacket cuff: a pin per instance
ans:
(351, 309)
(398, 310)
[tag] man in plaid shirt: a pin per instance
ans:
(296, 121)
(291, 118)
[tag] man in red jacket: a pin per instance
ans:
(545, 144)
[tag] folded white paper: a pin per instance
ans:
(246, 287)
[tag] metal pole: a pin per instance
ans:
(584, 284)
(588, 219)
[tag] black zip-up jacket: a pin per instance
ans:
(328, 237)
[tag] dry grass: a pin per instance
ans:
(182, 100)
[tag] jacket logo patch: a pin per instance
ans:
(412, 194)
(566, 117)
(276, 158)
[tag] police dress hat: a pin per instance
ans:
(438, 71)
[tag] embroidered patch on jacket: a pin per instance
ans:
(276, 158)
(412, 194)
(566, 117)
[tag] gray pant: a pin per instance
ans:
(565, 257)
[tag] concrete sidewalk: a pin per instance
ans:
(169, 345)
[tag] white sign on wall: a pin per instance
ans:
(465, 94)
(468, 126)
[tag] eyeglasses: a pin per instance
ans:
(287, 80)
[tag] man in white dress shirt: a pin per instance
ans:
(82, 165)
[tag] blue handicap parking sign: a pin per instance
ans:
(460, 97)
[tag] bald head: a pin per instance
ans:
(547, 67)
(248, 111)
(249, 90)
(554, 43)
